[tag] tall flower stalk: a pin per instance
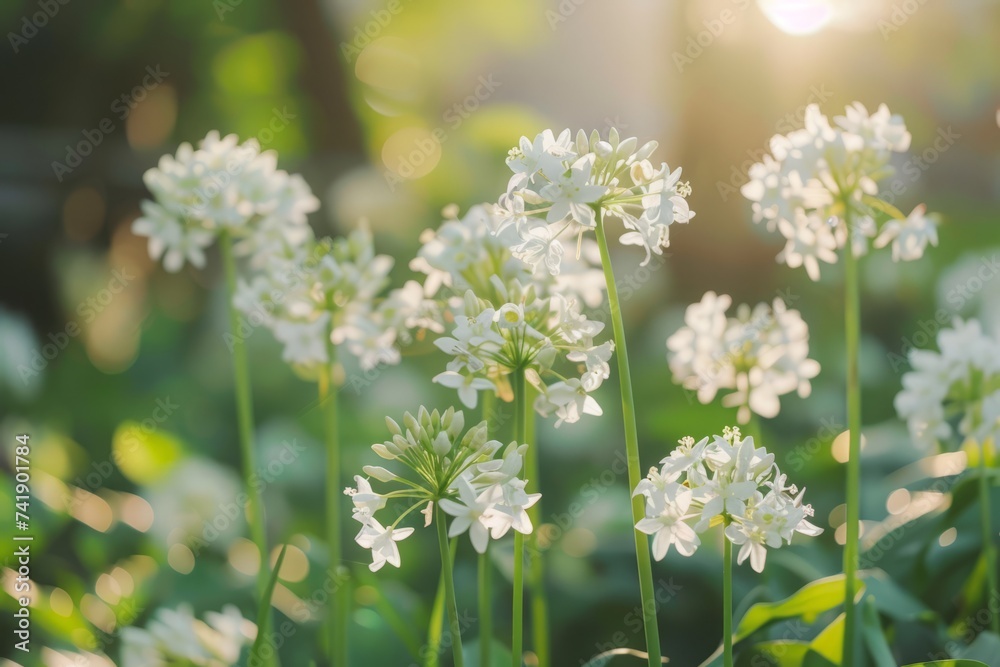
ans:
(852, 336)
(632, 454)
(820, 190)
(244, 418)
(520, 435)
(562, 188)
(727, 602)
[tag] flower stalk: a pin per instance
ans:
(520, 435)
(852, 333)
(632, 451)
(339, 603)
(451, 604)
(244, 416)
(536, 572)
(727, 601)
(989, 547)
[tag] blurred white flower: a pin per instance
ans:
(728, 481)
(560, 184)
(958, 383)
(222, 186)
(192, 505)
(760, 354)
(175, 635)
(801, 189)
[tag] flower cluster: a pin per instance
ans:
(222, 186)
(175, 636)
(461, 474)
(804, 188)
(465, 253)
(724, 481)
(325, 291)
(960, 383)
(560, 185)
(525, 331)
(760, 354)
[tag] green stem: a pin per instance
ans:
(485, 610)
(485, 569)
(339, 602)
(727, 601)
(852, 325)
(433, 653)
(536, 562)
(752, 429)
(632, 454)
(989, 547)
(521, 437)
(244, 416)
(451, 604)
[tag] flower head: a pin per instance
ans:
(222, 186)
(523, 330)
(821, 175)
(469, 477)
(560, 184)
(726, 480)
(176, 636)
(957, 385)
(759, 354)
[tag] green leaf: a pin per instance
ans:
(828, 644)
(777, 653)
(264, 610)
(807, 603)
(603, 659)
(986, 647)
(891, 600)
(949, 663)
(871, 629)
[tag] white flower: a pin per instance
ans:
(909, 237)
(559, 186)
(596, 361)
(960, 379)
(569, 400)
(458, 473)
(382, 542)
(759, 355)
(468, 386)
(665, 519)
(222, 186)
(176, 636)
(727, 481)
(305, 342)
(474, 513)
(801, 189)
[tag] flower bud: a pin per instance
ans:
(442, 444)
(457, 424)
(379, 473)
(393, 426)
